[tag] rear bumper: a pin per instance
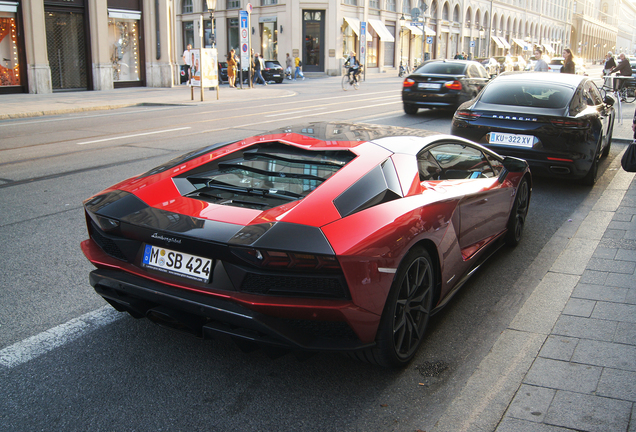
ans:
(423, 100)
(209, 316)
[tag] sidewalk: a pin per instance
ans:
(567, 362)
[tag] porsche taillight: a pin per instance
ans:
(453, 85)
(408, 82)
(569, 123)
(288, 260)
(466, 115)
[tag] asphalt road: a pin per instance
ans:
(72, 364)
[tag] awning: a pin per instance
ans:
(381, 30)
(504, 42)
(548, 48)
(416, 30)
(124, 14)
(525, 46)
(9, 6)
(430, 32)
(354, 23)
(497, 41)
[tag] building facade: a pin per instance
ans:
(64, 45)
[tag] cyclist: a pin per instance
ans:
(353, 67)
(623, 68)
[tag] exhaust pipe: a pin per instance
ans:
(560, 169)
(176, 320)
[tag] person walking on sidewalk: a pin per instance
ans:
(568, 62)
(258, 67)
(540, 65)
(298, 72)
(288, 66)
(231, 69)
(187, 60)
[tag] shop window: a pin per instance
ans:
(233, 35)
(349, 41)
(123, 38)
(372, 48)
(209, 39)
(10, 67)
(269, 40)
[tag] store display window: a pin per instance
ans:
(10, 65)
(123, 38)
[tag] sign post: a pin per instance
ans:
(363, 47)
(244, 41)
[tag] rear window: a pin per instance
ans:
(442, 68)
(542, 95)
(263, 176)
(556, 62)
(272, 65)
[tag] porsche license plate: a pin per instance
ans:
(177, 263)
(511, 139)
(429, 86)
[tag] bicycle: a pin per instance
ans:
(350, 80)
(404, 70)
(621, 95)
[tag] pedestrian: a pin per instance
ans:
(299, 64)
(540, 65)
(610, 63)
(187, 60)
(568, 62)
(231, 69)
(623, 68)
(288, 66)
(458, 56)
(258, 67)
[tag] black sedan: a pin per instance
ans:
(273, 71)
(559, 123)
(443, 84)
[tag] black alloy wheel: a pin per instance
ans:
(406, 312)
(590, 177)
(517, 219)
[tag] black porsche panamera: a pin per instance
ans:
(559, 123)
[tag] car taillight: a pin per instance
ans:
(453, 85)
(466, 115)
(288, 260)
(569, 123)
(408, 83)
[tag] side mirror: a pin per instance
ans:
(514, 164)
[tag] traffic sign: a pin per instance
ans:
(429, 40)
(248, 8)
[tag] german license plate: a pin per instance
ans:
(276, 75)
(177, 263)
(429, 86)
(511, 139)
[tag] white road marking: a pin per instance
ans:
(132, 136)
(40, 344)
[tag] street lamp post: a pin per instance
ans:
(211, 4)
(402, 19)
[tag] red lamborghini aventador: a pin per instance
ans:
(319, 237)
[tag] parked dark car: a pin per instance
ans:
(273, 71)
(443, 84)
(559, 123)
(223, 72)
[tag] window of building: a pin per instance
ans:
(372, 47)
(123, 38)
(351, 2)
(10, 67)
(188, 33)
(233, 34)
(209, 39)
(269, 2)
(186, 6)
(233, 4)
(390, 5)
(269, 41)
(374, 4)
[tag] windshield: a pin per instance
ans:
(264, 177)
(543, 95)
(443, 68)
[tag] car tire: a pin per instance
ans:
(279, 81)
(517, 219)
(590, 177)
(410, 109)
(608, 146)
(406, 312)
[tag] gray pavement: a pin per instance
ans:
(567, 361)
